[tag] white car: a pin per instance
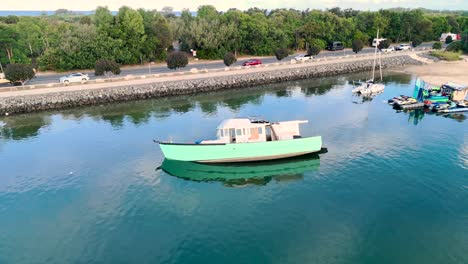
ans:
(403, 47)
(389, 49)
(303, 57)
(74, 77)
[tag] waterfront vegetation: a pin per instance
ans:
(19, 73)
(447, 55)
(67, 41)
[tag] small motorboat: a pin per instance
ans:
(246, 140)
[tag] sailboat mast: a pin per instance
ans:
(380, 65)
(375, 55)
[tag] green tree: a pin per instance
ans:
(158, 35)
(30, 36)
(229, 59)
(104, 20)
(452, 21)
(168, 12)
(358, 45)
(281, 53)
(464, 42)
(416, 42)
(207, 11)
(455, 46)
(314, 50)
(19, 73)
(384, 44)
(131, 31)
(177, 59)
(106, 67)
(8, 40)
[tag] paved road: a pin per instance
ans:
(54, 78)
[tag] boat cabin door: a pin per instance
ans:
(232, 135)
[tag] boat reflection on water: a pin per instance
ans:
(240, 174)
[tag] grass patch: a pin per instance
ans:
(446, 55)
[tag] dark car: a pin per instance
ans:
(252, 62)
(335, 45)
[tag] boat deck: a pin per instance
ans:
(409, 106)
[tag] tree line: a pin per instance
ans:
(66, 41)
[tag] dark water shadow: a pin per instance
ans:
(240, 174)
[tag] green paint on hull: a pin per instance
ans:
(241, 152)
(255, 172)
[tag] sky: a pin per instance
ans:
(223, 5)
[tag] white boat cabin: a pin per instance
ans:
(244, 130)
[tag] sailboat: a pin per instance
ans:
(370, 87)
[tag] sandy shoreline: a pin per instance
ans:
(441, 72)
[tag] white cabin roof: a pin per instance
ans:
(235, 123)
(246, 122)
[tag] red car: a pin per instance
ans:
(252, 62)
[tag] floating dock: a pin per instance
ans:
(453, 110)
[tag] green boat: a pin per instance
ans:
(241, 174)
(246, 140)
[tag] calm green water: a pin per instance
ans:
(83, 185)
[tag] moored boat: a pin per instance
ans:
(245, 140)
(370, 87)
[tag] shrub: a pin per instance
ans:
(358, 45)
(437, 45)
(19, 73)
(454, 46)
(384, 44)
(416, 42)
(229, 59)
(314, 50)
(446, 55)
(464, 43)
(281, 53)
(448, 40)
(177, 59)
(106, 67)
(319, 43)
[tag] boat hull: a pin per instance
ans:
(241, 152)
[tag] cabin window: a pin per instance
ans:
(239, 132)
(260, 130)
(222, 133)
(232, 132)
(226, 132)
